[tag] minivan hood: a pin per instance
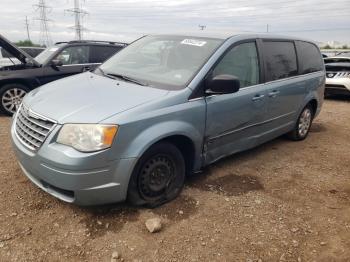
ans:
(88, 98)
(15, 51)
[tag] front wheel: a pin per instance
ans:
(158, 176)
(11, 96)
(303, 125)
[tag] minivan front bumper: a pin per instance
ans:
(81, 178)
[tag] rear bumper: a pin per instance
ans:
(337, 86)
(75, 179)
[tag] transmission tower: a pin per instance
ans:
(27, 27)
(43, 9)
(78, 13)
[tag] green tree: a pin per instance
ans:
(327, 47)
(26, 43)
(345, 47)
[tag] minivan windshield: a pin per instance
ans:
(167, 62)
(46, 54)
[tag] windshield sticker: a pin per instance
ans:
(53, 49)
(193, 42)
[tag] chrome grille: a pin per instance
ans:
(31, 128)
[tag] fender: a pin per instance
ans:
(163, 130)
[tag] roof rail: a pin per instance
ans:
(91, 41)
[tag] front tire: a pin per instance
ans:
(303, 125)
(11, 96)
(158, 176)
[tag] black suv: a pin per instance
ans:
(55, 62)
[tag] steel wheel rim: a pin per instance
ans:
(156, 176)
(304, 122)
(12, 99)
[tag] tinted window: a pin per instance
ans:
(33, 52)
(280, 60)
(241, 61)
(74, 55)
(310, 58)
(99, 54)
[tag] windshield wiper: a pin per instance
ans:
(126, 78)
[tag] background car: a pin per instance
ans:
(55, 62)
(338, 78)
(7, 59)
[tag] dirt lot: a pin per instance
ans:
(283, 201)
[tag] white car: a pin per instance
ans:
(337, 75)
(7, 59)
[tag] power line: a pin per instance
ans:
(78, 13)
(45, 37)
(27, 27)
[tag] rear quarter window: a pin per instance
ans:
(280, 59)
(310, 58)
(99, 54)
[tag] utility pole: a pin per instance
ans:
(27, 26)
(78, 15)
(43, 9)
(267, 28)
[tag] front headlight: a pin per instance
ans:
(87, 137)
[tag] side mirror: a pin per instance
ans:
(222, 84)
(56, 63)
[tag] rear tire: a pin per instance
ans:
(158, 176)
(303, 125)
(11, 96)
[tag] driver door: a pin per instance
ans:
(234, 120)
(74, 59)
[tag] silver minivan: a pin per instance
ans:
(161, 109)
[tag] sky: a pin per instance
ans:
(126, 20)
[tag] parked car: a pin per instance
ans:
(33, 51)
(338, 78)
(6, 59)
(58, 61)
(163, 108)
(336, 59)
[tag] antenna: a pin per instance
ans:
(202, 27)
(78, 13)
(45, 38)
(27, 26)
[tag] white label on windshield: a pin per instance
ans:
(53, 49)
(193, 42)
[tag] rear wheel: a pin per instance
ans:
(11, 96)
(302, 127)
(158, 176)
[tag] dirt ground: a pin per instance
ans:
(283, 201)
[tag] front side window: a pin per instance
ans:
(167, 62)
(74, 55)
(280, 60)
(241, 61)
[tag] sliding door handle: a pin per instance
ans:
(258, 97)
(274, 93)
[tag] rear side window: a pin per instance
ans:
(310, 58)
(280, 60)
(99, 54)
